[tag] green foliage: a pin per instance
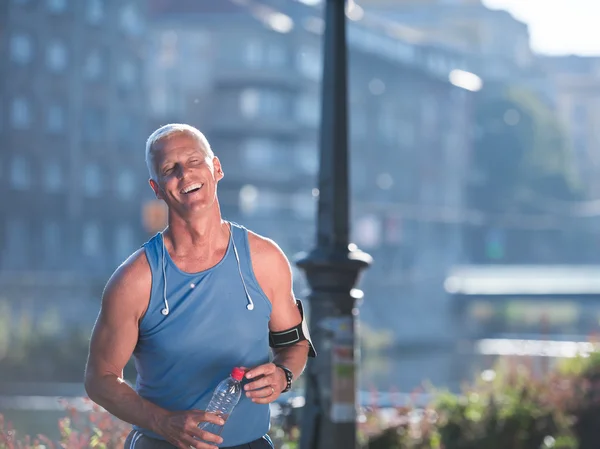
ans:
(508, 407)
(521, 151)
(92, 428)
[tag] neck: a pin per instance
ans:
(190, 233)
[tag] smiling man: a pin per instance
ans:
(199, 298)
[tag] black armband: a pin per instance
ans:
(289, 337)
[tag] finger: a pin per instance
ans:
(266, 369)
(268, 399)
(205, 435)
(201, 416)
(188, 441)
(262, 393)
(259, 383)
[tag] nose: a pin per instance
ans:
(181, 171)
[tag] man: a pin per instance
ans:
(198, 299)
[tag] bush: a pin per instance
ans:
(507, 407)
(93, 428)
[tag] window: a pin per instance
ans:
(308, 109)
(95, 11)
(20, 173)
(20, 115)
(169, 49)
(266, 103)
(126, 184)
(368, 231)
(21, 48)
(276, 55)
(91, 239)
(387, 122)
(53, 181)
(56, 6)
(16, 248)
(307, 157)
(92, 67)
(272, 104)
(130, 20)
(309, 62)
(258, 153)
(56, 56)
(92, 180)
(270, 202)
(124, 241)
(159, 100)
(253, 53)
(248, 197)
(55, 119)
(304, 205)
(128, 130)
(249, 102)
(127, 73)
(51, 241)
(94, 124)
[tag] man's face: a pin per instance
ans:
(185, 178)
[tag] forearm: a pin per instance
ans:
(293, 358)
(118, 398)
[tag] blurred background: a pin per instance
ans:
(475, 163)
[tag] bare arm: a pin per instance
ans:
(114, 337)
(274, 275)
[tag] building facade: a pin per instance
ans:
(71, 128)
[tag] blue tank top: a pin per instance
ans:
(181, 357)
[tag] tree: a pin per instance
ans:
(520, 155)
(520, 152)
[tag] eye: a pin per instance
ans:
(167, 171)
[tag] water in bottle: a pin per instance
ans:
(224, 399)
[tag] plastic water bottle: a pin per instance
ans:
(224, 399)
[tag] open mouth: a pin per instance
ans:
(191, 188)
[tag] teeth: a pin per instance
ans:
(192, 187)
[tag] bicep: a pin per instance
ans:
(113, 340)
(116, 330)
(274, 275)
(284, 313)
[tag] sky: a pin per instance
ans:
(557, 27)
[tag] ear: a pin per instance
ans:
(156, 188)
(218, 169)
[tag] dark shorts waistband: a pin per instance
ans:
(137, 440)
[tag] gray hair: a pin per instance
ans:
(167, 131)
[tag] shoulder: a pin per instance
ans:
(266, 252)
(130, 284)
(270, 265)
(135, 269)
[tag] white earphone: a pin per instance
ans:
(165, 310)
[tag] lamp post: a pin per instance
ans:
(332, 268)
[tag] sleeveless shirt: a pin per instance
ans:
(180, 358)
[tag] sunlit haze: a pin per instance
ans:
(557, 26)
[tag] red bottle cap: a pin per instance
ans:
(237, 374)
